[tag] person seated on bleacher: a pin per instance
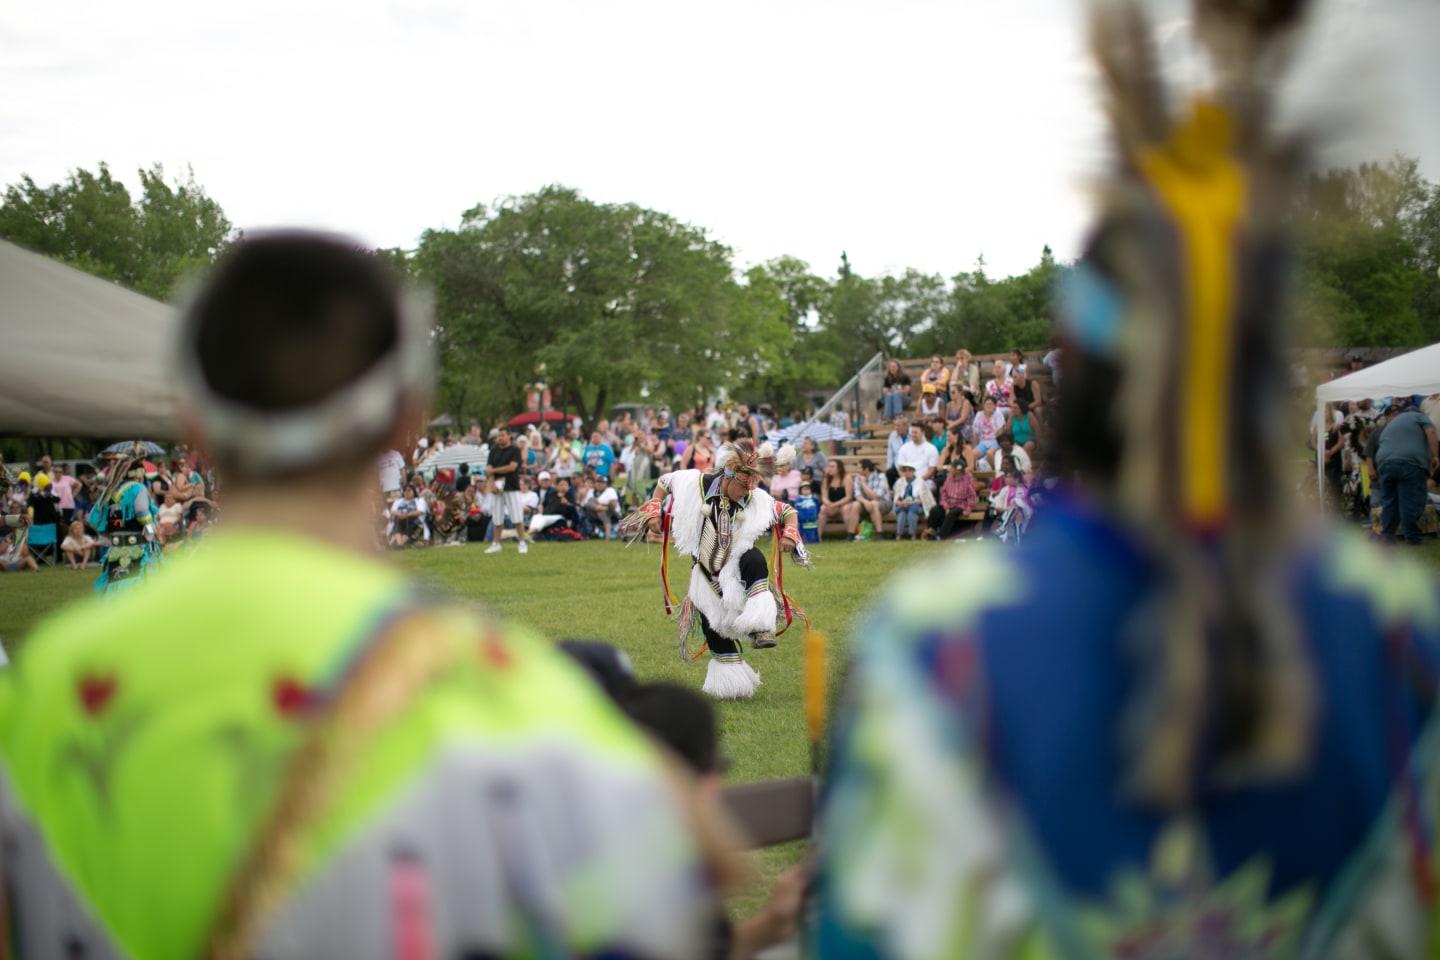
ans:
(957, 450)
(937, 375)
(1012, 496)
(988, 423)
(1025, 425)
(836, 493)
(957, 499)
(909, 512)
(931, 409)
(1023, 389)
(960, 411)
(921, 454)
(810, 461)
(1009, 450)
(997, 387)
(871, 498)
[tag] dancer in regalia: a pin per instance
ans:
(715, 518)
(124, 516)
(1181, 719)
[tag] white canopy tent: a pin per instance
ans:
(1416, 372)
(81, 356)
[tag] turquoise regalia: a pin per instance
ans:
(126, 521)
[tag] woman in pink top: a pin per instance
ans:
(64, 486)
(988, 422)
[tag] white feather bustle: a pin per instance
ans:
(730, 681)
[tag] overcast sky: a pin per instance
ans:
(910, 133)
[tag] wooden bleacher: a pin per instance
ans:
(872, 437)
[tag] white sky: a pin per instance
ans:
(910, 133)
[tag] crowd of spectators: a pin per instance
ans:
(554, 480)
(45, 510)
(1379, 455)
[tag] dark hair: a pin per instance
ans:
(867, 464)
(287, 320)
(679, 718)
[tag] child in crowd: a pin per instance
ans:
(807, 507)
(908, 509)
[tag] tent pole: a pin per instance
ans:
(1323, 429)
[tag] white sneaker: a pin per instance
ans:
(524, 547)
(493, 548)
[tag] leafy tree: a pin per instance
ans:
(91, 221)
(616, 301)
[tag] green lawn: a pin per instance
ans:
(608, 592)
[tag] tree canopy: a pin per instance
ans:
(618, 302)
(92, 222)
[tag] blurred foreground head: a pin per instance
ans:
(1173, 407)
(301, 353)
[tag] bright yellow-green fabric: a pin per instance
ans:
(148, 803)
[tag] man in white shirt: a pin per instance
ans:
(1008, 448)
(391, 466)
(920, 454)
(603, 506)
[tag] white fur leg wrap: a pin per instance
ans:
(759, 613)
(730, 679)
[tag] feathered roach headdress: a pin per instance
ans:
(1175, 323)
(742, 459)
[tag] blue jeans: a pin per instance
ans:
(1402, 498)
(895, 404)
(908, 516)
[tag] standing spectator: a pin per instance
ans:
(700, 455)
(909, 512)
(65, 486)
(1334, 462)
(921, 454)
(893, 443)
(810, 461)
(749, 424)
(392, 464)
(43, 509)
(1406, 454)
(871, 498)
(938, 376)
(807, 512)
(502, 478)
(599, 458)
(895, 391)
(836, 494)
(957, 498)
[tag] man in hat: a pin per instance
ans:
(282, 748)
(1176, 720)
(716, 518)
(1405, 456)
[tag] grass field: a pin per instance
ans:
(608, 592)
